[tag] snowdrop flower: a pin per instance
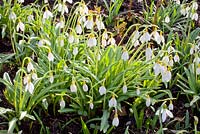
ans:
(34, 76)
(75, 51)
(177, 2)
(29, 87)
(70, 1)
(62, 104)
(51, 78)
(20, 26)
(148, 53)
(62, 8)
(30, 18)
(148, 101)
(12, 16)
(100, 24)
(30, 67)
(115, 121)
(45, 103)
(124, 89)
(176, 58)
(171, 106)
(50, 56)
(136, 35)
(91, 105)
(156, 36)
(194, 5)
(138, 91)
(47, 14)
(71, 38)
(145, 37)
(21, 1)
(112, 102)
(60, 24)
(83, 10)
(92, 41)
(183, 10)
(171, 62)
(78, 29)
(198, 70)
(73, 87)
(157, 69)
(26, 79)
(45, 1)
(170, 49)
(164, 113)
(102, 90)
(89, 23)
(194, 16)
(166, 76)
(85, 87)
(125, 56)
(136, 43)
(111, 41)
(167, 19)
(104, 42)
(165, 60)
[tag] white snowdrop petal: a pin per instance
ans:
(164, 115)
(169, 113)
(85, 87)
(115, 121)
(102, 90)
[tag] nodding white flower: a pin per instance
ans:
(62, 104)
(166, 76)
(177, 2)
(45, 103)
(12, 16)
(73, 87)
(171, 106)
(171, 62)
(194, 5)
(170, 49)
(136, 35)
(75, 51)
(26, 79)
(125, 55)
(136, 43)
(62, 8)
(21, 1)
(71, 38)
(47, 14)
(70, 1)
(115, 121)
(157, 69)
(34, 76)
(156, 36)
(176, 58)
(183, 10)
(105, 35)
(194, 16)
(92, 42)
(20, 26)
(50, 56)
(164, 113)
(148, 101)
(44, 41)
(111, 41)
(145, 37)
(51, 78)
(198, 69)
(100, 24)
(60, 24)
(30, 67)
(89, 23)
(83, 9)
(165, 60)
(78, 29)
(138, 91)
(167, 19)
(104, 42)
(148, 53)
(29, 87)
(102, 90)
(124, 89)
(45, 1)
(112, 102)
(30, 18)
(91, 105)
(85, 87)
